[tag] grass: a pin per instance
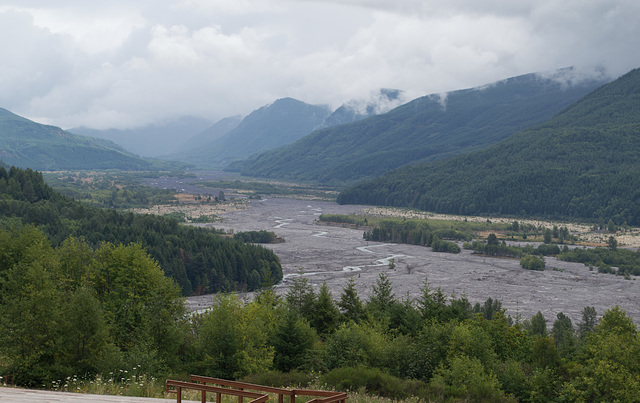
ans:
(134, 384)
(122, 382)
(257, 189)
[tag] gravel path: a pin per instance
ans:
(19, 395)
(332, 254)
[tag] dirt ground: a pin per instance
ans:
(332, 254)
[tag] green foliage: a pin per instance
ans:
(279, 379)
(110, 189)
(233, 338)
(432, 303)
(537, 326)
(292, 340)
(261, 236)
(583, 163)
(416, 232)
(531, 262)
(589, 321)
(466, 378)
(444, 246)
(74, 309)
(199, 260)
(547, 250)
(354, 344)
(300, 297)
(372, 380)
(326, 315)
(626, 260)
(350, 304)
(255, 190)
(564, 335)
(607, 366)
(382, 297)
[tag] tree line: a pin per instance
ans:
(199, 260)
(78, 310)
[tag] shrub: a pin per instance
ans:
(531, 262)
(547, 250)
(444, 246)
(465, 379)
(372, 380)
(279, 379)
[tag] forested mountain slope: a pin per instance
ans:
(428, 128)
(282, 122)
(28, 144)
(199, 260)
(583, 163)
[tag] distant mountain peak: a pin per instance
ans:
(376, 103)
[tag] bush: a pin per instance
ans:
(373, 381)
(465, 379)
(256, 236)
(279, 379)
(444, 246)
(547, 250)
(531, 262)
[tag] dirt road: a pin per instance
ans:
(332, 254)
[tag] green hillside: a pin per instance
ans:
(27, 144)
(583, 163)
(426, 129)
(280, 123)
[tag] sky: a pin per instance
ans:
(128, 63)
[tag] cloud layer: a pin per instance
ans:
(128, 63)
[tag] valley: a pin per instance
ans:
(332, 254)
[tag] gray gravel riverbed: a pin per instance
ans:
(332, 254)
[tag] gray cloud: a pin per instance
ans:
(127, 63)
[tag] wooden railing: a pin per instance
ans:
(242, 389)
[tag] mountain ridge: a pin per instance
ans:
(582, 163)
(28, 144)
(427, 128)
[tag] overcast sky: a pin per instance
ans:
(124, 63)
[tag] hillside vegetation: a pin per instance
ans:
(583, 163)
(28, 144)
(426, 129)
(199, 260)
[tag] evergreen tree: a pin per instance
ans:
(589, 321)
(292, 339)
(432, 304)
(350, 303)
(564, 335)
(538, 325)
(382, 297)
(300, 297)
(325, 315)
